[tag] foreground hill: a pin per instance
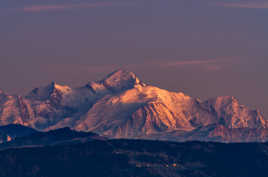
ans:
(137, 158)
(12, 131)
(51, 138)
(122, 106)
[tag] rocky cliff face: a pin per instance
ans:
(122, 106)
(235, 115)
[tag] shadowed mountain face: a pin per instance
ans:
(122, 106)
(129, 158)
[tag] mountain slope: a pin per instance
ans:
(122, 106)
(142, 110)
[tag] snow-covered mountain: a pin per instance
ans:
(122, 106)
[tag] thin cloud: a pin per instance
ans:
(247, 5)
(189, 62)
(207, 65)
(60, 7)
(211, 65)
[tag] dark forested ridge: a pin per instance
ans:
(137, 158)
(52, 138)
(12, 131)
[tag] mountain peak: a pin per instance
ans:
(121, 80)
(223, 100)
(43, 93)
(62, 88)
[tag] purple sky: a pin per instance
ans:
(204, 48)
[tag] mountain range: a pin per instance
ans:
(123, 106)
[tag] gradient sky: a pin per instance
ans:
(204, 48)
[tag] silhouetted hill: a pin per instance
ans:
(137, 158)
(11, 131)
(53, 137)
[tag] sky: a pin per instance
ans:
(203, 48)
